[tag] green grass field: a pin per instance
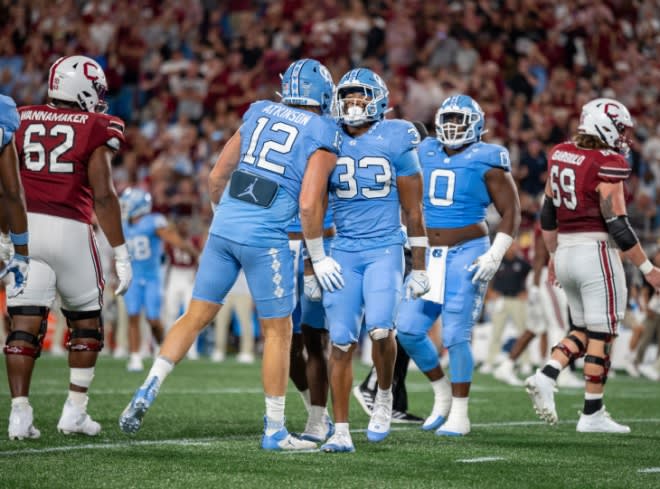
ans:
(204, 431)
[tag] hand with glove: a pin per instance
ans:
(487, 264)
(312, 288)
(326, 269)
(123, 269)
(19, 266)
(417, 284)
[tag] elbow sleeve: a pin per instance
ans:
(548, 215)
(622, 233)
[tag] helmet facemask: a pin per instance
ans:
(455, 128)
(357, 104)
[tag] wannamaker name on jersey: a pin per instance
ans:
(46, 116)
(288, 114)
(568, 157)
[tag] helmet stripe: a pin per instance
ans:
(52, 71)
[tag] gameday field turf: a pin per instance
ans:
(204, 431)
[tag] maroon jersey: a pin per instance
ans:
(574, 174)
(181, 258)
(54, 147)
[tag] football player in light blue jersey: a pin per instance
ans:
(13, 222)
(256, 184)
(145, 232)
(377, 175)
(462, 177)
(309, 373)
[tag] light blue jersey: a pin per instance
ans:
(276, 143)
(363, 189)
(146, 250)
(369, 242)
(8, 120)
(144, 244)
(455, 193)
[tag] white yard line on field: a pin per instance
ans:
(479, 460)
(649, 470)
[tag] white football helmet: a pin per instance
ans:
(78, 79)
(607, 119)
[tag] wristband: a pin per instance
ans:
(121, 252)
(646, 267)
(500, 244)
(418, 241)
(19, 239)
(315, 249)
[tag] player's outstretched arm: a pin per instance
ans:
(108, 212)
(13, 199)
(613, 209)
(313, 203)
(223, 168)
(171, 236)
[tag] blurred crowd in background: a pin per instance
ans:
(182, 72)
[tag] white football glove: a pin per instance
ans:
(312, 288)
(534, 296)
(328, 273)
(6, 247)
(123, 269)
(488, 263)
(19, 265)
(417, 284)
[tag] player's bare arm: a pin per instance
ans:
(13, 200)
(224, 166)
(613, 209)
(502, 190)
(314, 192)
(410, 198)
(171, 236)
(106, 203)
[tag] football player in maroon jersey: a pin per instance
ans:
(583, 216)
(65, 150)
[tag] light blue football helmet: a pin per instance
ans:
(459, 121)
(307, 82)
(368, 83)
(134, 202)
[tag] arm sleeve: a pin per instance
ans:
(325, 134)
(407, 164)
(159, 221)
(109, 131)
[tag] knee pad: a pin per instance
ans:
(421, 349)
(84, 333)
(461, 362)
(379, 333)
(571, 355)
(17, 335)
(603, 362)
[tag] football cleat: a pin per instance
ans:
(134, 364)
(569, 380)
(320, 431)
(283, 440)
(648, 371)
(541, 389)
(130, 420)
(339, 442)
(20, 424)
(600, 422)
(505, 373)
(441, 406)
(403, 417)
(365, 397)
(379, 424)
(75, 419)
(454, 426)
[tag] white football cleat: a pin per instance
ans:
(441, 407)
(649, 371)
(282, 440)
(454, 426)
(505, 373)
(339, 442)
(600, 422)
(75, 419)
(318, 431)
(135, 364)
(381, 419)
(541, 389)
(20, 424)
(245, 358)
(569, 379)
(632, 370)
(217, 356)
